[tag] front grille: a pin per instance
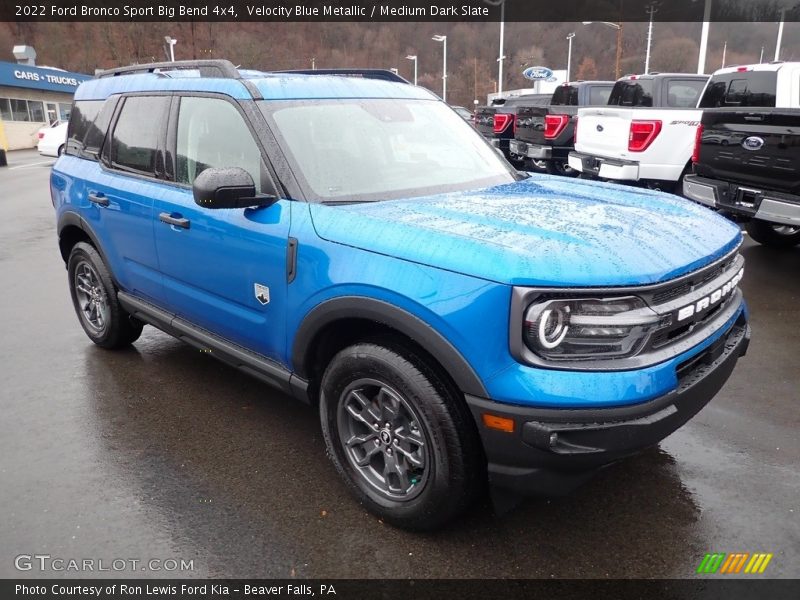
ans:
(695, 281)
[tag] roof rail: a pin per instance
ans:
(207, 68)
(382, 74)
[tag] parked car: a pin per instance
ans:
(547, 133)
(498, 123)
(645, 134)
(356, 244)
(52, 140)
(746, 159)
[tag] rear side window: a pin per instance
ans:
(134, 144)
(598, 95)
(684, 93)
(748, 88)
(88, 123)
(634, 92)
(565, 95)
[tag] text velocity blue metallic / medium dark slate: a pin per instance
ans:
(574, 322)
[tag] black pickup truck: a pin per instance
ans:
(547, 133)
(497, 122)
(747, 153)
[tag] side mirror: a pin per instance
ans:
(231, 187)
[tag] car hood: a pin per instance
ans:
(541, 231)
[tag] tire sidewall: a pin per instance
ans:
(84, 253)
(366, 361)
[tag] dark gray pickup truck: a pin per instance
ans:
(747, 153)
(547, 133)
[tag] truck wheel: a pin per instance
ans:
(95, 300)
(773, 234)
(402, 440)
(560, 167)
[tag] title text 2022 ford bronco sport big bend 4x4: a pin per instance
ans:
(351, 240)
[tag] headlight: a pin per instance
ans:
(588, 328)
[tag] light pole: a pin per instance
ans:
(652, 10)
(761, 58)
(170, 43)
(414, 58)
(780, 35)
(569, 53)
(618, 27)
(701, 58)
(443, 39)
(724, 53)
(500, 57)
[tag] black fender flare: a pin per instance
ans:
(71, 218)
(361, 307)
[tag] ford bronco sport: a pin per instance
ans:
(349, 239)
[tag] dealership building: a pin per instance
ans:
(32, 97)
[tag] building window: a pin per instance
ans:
(64, 112)
(12, 109)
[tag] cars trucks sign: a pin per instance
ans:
(539, 74)
(53, 80)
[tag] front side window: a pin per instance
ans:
(134, 144)
(213, 134)
(746, 88)
(351, 150)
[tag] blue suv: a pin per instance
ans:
(349, 239)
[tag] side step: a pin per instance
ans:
(237, 356)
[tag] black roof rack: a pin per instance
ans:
(207, 68)
(382, 74)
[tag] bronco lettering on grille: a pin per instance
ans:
(711, 299)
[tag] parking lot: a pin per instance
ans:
(161, 452)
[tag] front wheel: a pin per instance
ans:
(402, 440)
(773, 234)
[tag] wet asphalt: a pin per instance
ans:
(160, 452)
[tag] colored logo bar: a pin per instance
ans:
(734, 563)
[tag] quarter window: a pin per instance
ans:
(212, 134)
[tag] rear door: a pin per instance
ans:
(224, 269)
(120, 194)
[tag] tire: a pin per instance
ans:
(414, 457)
(559, 167)
(775, 235)
(94, 298)
(60, 150)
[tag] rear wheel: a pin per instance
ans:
(773, 234)
(61, 149)
(95, 300)
(399, 436)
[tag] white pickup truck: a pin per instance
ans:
(646, 132)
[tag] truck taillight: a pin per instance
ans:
(554, 125)
(500, 122)
(642, 134)
(698, 138)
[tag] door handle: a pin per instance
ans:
(98, 198)
(176, 221)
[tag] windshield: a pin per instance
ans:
(350, 150)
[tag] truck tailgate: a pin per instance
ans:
(760, 147)
(604, 131)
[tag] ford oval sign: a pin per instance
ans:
(538, 74)
(753, 143)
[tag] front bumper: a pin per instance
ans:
(748, 201)
(605, 168)
(552, 451)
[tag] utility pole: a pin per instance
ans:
(724, 52)
(652, 10)
(569, 54)
(780, 35)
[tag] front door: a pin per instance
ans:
(223, 269)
